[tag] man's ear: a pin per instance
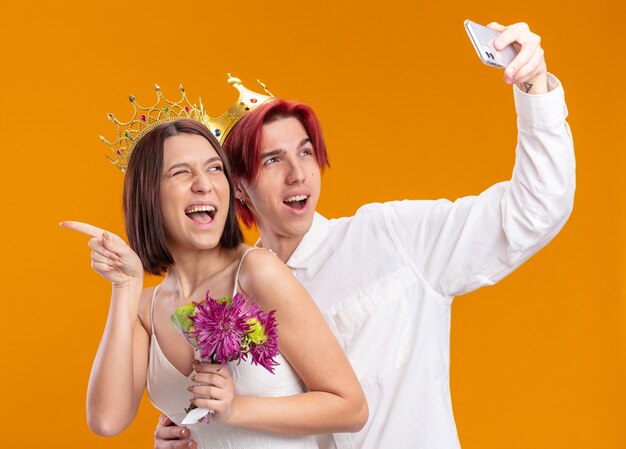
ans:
(240, 193)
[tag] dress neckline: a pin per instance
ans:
(154, 338)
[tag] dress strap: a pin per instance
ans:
(152, 308)
(239, 268)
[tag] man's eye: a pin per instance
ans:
(306, 152)
(271, 160)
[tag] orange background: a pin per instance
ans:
(409, 112)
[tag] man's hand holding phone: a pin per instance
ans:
(528, 68)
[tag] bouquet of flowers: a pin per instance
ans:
(225, 330)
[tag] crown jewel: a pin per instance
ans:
(145, 119)
(247, 101)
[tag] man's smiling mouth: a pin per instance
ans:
(296, 201)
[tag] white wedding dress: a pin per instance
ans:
(167, 389)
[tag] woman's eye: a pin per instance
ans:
(181, 172)
(216, 168)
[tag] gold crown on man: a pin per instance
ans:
(145, 118)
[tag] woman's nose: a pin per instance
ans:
(202, 183)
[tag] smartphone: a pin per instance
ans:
(482, 38)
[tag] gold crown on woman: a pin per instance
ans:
(145, 118)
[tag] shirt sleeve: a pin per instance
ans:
(477, 240)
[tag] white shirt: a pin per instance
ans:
(385, 278)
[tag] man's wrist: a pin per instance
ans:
(536, 85)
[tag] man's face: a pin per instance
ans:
(284, 195)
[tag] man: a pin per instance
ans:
(385, 278)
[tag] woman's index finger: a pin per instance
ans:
(83, 228)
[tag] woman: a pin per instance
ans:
(180, 220)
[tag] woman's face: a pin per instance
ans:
(194, 194)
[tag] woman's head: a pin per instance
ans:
(177, 191)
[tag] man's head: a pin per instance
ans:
(277, 153)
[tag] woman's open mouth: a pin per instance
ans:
(201, 214)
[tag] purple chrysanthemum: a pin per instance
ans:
(265, 353)
(220, 327)
(225, 330)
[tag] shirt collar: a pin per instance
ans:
(311, 241)
(313, 238)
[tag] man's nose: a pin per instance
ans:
(296, 173)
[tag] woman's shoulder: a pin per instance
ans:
(260, 266)
(260, 260)
(256, 254)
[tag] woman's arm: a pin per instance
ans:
(118, 375)
(335, 402)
